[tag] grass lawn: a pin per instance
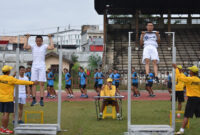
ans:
(79, 118)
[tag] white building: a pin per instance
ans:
(71, 37)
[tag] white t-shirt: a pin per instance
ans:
(22, 88)
(150, 39)
(38, 55)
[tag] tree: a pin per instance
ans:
(94, 60)
(74, 58)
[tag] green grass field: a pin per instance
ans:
(79, 118)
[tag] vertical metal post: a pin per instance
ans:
(129, 79)
(173, 81)
(60, 87)
(17, 87)
(173, 84)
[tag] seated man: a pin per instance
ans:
(109, 90)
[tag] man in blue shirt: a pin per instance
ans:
(117, 79)
(50, 83)
(149, 85)
(68, 83)
(169, 83)
(29, 87)
(96, 81)
(111, 75)
(79, 74)
(134, 78)
(100, 77)
(83, 82)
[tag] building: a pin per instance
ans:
(91, 38)
(70, 39)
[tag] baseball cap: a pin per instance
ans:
(194, 69)
(6, 68)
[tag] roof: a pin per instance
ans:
(55, 54)
(147, 6)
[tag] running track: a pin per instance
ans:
(164, 95)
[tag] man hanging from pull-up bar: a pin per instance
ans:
(150, 39)
(38, 66)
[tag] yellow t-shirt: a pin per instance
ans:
(179, 84)
(7, 84)
(192, 85)
(106, 91)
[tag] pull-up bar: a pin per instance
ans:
(33, 35)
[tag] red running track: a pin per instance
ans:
(144, 96)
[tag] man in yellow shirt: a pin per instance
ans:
(7, 84)
(193, 93)
(109, 90)
(179, 87)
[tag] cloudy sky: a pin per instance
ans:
(43, 16)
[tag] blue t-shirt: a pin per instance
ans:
(82, 78)
(116, 76)
(134, 80)
(169, 79)
(151, 77)
(95, 76)
(28, 74)
(67, 77)
(50, 80)
(112, 76)
(100, 74)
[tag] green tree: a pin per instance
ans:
(94, 60)
(74, 58)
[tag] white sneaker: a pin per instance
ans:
(72, 96)
(179, 133)
(100, 115)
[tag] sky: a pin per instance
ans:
(44, 16)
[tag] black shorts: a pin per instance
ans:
(192, 107)
(180, 96)
(7, 107)
(169, 85)
(117, 84)
(96, 85)
(99, 86)
(149, 84)
(67, 86)
(83, 86)
(30, 86)
(109, 101)
(51, 86)
(135, 85)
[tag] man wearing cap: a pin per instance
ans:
(193, 93)
(109, 90)
(179, 87)
(7, 84)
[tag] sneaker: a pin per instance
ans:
(85, 96)
(72, 96)
(41, 103)
(33, 103)
(51, 96)
(20, 122)
(82, 95)
(152, 95)
(100, 115)
(135, 95)
(1, 129)
(6, 131)
(138, 95)
(54, 96)
(179, 133)
(156, 79)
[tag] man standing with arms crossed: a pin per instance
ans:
(150, 39)
(38, 71)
